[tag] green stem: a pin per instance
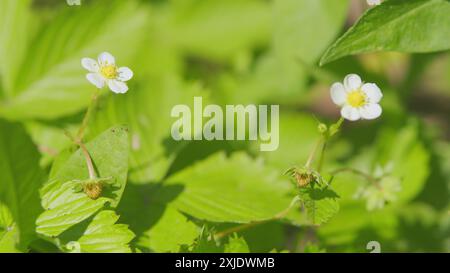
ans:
(335, 127)
(326, 136)
(87, 116)
(280, 215)
(313, 153)
(85, 153)
(232, 230)
(88, 159)
(78, 140)
(366, 176)
(322, 155)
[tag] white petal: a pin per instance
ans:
(90, 64)
(96, 79)
(117, 86)
(125, 74)
(106, 58)
(372, 92)
(352, 82)
(338, 94)
(350, 113)
(370, 111)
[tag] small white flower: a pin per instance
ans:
(358, 100)
(105, 72)
(373, 2)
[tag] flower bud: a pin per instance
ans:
(322, 128)
(303, 179)
(93, 189)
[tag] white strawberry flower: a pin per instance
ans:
(358, 100)
(104, 71)
(373, 2)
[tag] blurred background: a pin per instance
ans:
(240, 52)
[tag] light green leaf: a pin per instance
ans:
(103, 235)
(20, 180)
(9, 234)
(303, 29)
(236, 244)
(50, 140)
(64, 205)
(52, 82)
(15, 21)
(172, 230)
(320, 203)
(299, 136)
(397, 25)
(146, 110)
(219, 29)
(409, 157)
(280, 74)
(236, 189)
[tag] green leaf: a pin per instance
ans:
(416, 26)
(299, 136)
(20, 180)
(236, 244)
(172, 230)
(294, 20)
(9, 234)
(398, 150)
(103, 235)
(276, 239)
(158, 227)
(313, 248)
(146, 110)
(52, 82)
(205, 243)
(320, 203)
(280, 74)
(15, 19)
(236, 189)
(409, 158)
(219, 29)
(51, 140)
(64, 205)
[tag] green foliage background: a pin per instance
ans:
(169, 196)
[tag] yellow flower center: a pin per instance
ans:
(356, 98)
(109, 71)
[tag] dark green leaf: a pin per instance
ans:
(20, 180)
(397, 25)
